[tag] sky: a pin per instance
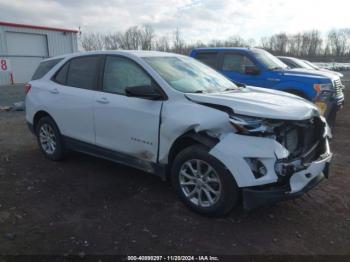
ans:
(198, 20)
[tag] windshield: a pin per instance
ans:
(187, 75)
(268, 60)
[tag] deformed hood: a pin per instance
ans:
(259, 102)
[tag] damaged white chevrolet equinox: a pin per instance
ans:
(173, 116)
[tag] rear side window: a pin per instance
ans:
(208, 58)
(45, 67)
(61, 75)
(82, 72)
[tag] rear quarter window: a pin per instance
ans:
(45, 67)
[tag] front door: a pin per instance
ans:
(125, 124)
(241, 68)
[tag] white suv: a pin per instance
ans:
(173, 116)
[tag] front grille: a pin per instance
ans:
(338, 88)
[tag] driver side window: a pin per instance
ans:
(120, 73)
(236, 63)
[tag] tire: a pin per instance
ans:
(219, 180)
(47, 130)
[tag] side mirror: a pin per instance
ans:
(147, 92)
(251, 70)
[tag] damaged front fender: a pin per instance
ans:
(179, 118)
(234, 149)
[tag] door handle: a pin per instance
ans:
(54, 91)
(102, 100)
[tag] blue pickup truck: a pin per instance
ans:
(257, 67)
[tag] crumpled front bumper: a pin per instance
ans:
(299, 183)
(233, 151)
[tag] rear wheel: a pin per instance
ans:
(49, 138)
(203, 183)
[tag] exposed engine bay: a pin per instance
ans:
(305, 141)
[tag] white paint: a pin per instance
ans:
(257, 102)
(72, 108)
(127, 124)
(233, 148)
(299, 180)
(113, 124)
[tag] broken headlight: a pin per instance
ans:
(251, 125)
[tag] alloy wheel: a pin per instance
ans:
(47, 138)
(200, 183)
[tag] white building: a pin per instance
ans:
(23, 46)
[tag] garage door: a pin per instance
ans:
(25, 52)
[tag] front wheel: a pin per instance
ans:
(203, 183)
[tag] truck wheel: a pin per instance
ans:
(49, 138)
(203, 183)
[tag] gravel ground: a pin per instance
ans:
(85, 205)
(11, 94)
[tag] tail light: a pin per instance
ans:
(27, 88)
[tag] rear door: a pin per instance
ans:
(125, 124)
(71, 97)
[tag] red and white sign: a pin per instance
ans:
(5, 65)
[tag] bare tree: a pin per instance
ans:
(315, 43)
(266, 43)
(178, 42)
(162, 44)
(339, 42)
(294, 44)
(111, 41)
(304, 44)
(146, 37)
(132, 38)
(92, 41)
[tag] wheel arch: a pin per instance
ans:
(38, 115)
(188, 139)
